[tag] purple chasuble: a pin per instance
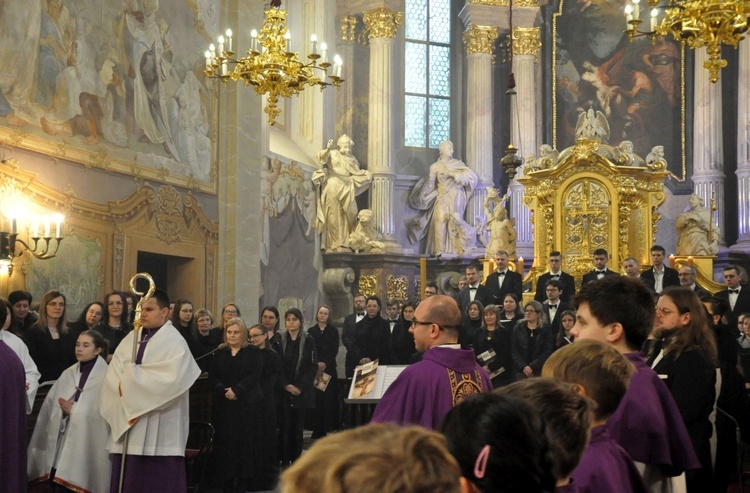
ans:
(648, 424)
(606, 467)
(149, 474)
(12, 421)
(145, 336)
(424, 392)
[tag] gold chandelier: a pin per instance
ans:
(697, 23)
(270, 65)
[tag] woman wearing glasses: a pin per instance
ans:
(492, 347)
(235, 373)
(686, 360)
(51, 345)
(268, 466)
(533, 341)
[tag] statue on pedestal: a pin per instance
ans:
(339, 181)
(698, 233)
(365, 237)
(442, 198)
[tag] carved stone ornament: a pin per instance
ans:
(365, 237)
(382, 22)
(480, 39)
(169, 215)
(348, 26)
(527, 41)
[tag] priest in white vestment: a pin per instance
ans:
(148, 399)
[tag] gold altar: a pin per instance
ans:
(587, 199)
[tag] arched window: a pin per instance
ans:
(427, 73)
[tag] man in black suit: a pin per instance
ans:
(347, 337)
(473, 291)
(601, 258)
(659, 276)
(737, 295)
(556, 273)
(687, 280)
(503, 281)
(553, 306)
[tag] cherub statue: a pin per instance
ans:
(626, 155)
(365, 237)
(547, 156)
(502, 231)
(655, 158)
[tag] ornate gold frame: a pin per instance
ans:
(683, 115)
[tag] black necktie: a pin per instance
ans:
(735, 291)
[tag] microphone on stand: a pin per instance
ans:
(221, 346)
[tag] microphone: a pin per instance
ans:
(211, 352)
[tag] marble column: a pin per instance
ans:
(242, 146)
(345, 93)
(480, 46)
(708, 154)
(743, 149)
(526, 46)
(382, 26)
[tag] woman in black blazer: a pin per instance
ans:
(326, 337)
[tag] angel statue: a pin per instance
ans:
(698, 233)
(592, 125)
(501, 229)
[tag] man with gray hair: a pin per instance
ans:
(687, 273)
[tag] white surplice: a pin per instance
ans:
(29, 367)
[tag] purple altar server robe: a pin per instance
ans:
(648, 424)
(12, 421)
(606, 467)
(425, 391)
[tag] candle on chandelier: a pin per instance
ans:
(288, 38)
(672, 261)
(212, 50)
(221, 45)
(229, 39)
(13, 226)
(314, 40)
(208, 60)
(36, 227)
(224, 67)
(654, 13)
(636, 9)
(323, 53)
(337, 62)
(58, 223)
(254, 40)
(520, 266)
(628, 15)
(46, 226)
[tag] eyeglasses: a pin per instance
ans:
(660, 310)
(231, 312)
(414, 321)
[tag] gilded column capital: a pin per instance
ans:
(382, 22)
(527, 41)
(480, 39)
(348, 26)
(506, 3)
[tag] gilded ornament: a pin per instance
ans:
(348, 28)
(527, 41)
(506, 3)
(382, 22)
(368, 285)
(98, 159)
(480, 39)
(397, 288)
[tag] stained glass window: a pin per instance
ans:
(427, 69)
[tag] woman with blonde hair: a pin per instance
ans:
(234, 374)
(492, 346)
(51, 345)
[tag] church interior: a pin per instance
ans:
(401, 141)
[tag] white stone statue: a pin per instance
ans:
(698, 233)
(592, 125)
(442, 198)
(365, 237)
(626, 155)
(339, 181)
(501, 229)
(547, 156)
(655, 158)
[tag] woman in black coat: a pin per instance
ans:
(299, 364)
(51, 344)
(114, 325)
(326, 337)
(268, 464)
(371, 334)
(533, 341)
(234, 374)
(492, 347)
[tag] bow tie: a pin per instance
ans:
(734, 291)
(553, 306)
(601, 271)
(501, 273)
(473, 288)
(555, 276)
(360, 314)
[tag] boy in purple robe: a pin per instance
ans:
(424, 392)
(603, 375)
(620, 312)
(12, 421)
